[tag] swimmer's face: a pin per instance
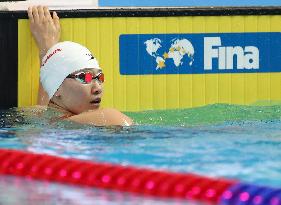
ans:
(76, 95)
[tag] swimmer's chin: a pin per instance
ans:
(93, 106)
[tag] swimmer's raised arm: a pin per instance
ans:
(45, 30)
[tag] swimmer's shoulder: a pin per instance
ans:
(102, 117)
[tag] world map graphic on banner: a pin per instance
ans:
(179, 49)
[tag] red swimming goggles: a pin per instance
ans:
(87, 77)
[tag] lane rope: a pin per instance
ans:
(135, 180)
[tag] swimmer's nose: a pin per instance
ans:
(96, 87)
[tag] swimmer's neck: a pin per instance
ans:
(60, 109)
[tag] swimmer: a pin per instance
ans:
(71, 80)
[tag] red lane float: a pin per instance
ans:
(108, 176)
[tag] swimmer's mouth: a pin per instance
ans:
(96, 101)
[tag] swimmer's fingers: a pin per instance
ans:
(35, 14)
(56, 20)
(30, 16)
(41, 14)
(47, 14)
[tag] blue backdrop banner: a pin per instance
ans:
(142, 54)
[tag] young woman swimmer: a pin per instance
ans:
(71, 80)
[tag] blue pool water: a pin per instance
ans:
(240, 143)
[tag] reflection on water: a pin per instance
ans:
(29, 192)
(210, 114)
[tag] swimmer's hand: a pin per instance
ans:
(102, 117)
(44, 28)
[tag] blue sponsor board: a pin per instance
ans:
(142, 54)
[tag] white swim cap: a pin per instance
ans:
(61, 60)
